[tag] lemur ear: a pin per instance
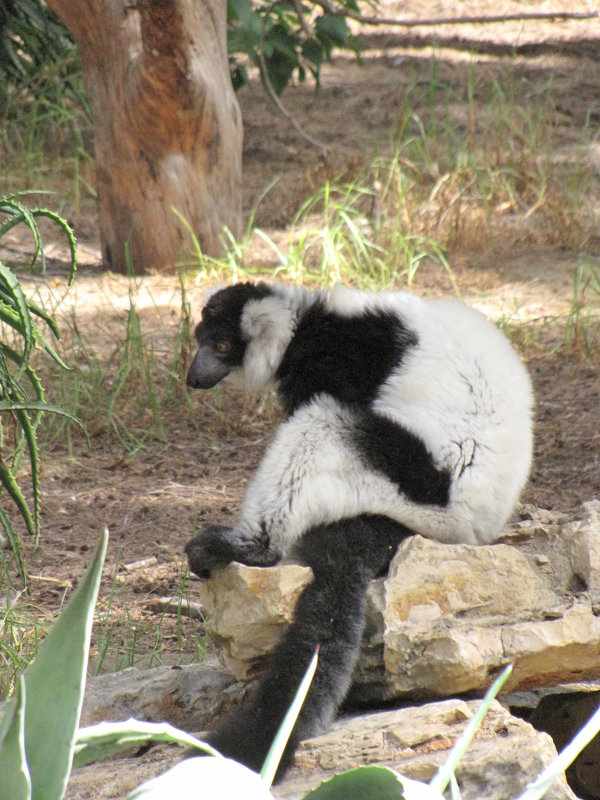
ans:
(267, 325)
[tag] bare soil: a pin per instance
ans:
(152, 502)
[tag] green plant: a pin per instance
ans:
(35, 762)
(583, 322)
(31, 37)
(42, 102)
(22, 400)
(125, 388)
(40, 742)
(283, 39)
(334, 237)
(22, 626)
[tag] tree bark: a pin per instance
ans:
(167, 125)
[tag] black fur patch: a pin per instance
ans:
(346, 357)
(330, 613)
(402, 457)
(221, 318)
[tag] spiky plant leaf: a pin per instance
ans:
(8, 480)
(14, 772)
(18, 313)
(15, 292)
(376, 783)
(15, 543)
(55, 683)
(106, 739)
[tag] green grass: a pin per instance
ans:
(125, 389)
(22, 626)
(124, 638)
(582, 328)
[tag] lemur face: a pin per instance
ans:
(221, 345)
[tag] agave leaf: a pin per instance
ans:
(67, 230)
(15, 544)
(7, 479)
(20, 303)
(11, 317)
(28, 429)
(14, 772)
(55, 682)
(8, 352)
(52, 352)
(20, 213)
(14, 218)
(48, 318)
(36, 405)
(376, 783)
(209, 778)
(107, 739)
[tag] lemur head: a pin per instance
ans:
(244, 327)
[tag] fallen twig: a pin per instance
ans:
(468, 20)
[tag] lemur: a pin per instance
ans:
(404, 415)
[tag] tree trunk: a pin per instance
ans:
(167, 125)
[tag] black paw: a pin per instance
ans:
(210, 550)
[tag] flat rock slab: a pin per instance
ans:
(505, 755)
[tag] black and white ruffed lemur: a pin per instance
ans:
(403, 415)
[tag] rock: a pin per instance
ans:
(447, 617)
(455, 615)
(446, 611)
(505, 755)
(247, 609)
(584, 538)
(191, 697)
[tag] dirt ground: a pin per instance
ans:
(154, 501)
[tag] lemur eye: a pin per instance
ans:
(222, 348)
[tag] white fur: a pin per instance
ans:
(268, 326)
(462, 390)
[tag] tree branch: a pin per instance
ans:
(276, 100)
(469, 20)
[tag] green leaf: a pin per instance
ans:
(313, 52)
(106, 739)
(28, 429)
(242, 9)
(14, 773)
(332, 29)
(19, 213)
(55, 683)
(48, 319)
(15, 544)
(13, 287)
(374, 783)
(66, 229)
(7, 479)
(273, 758)
(33, 405)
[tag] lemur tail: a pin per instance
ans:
(344, 557)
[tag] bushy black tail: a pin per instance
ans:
(344, 557)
